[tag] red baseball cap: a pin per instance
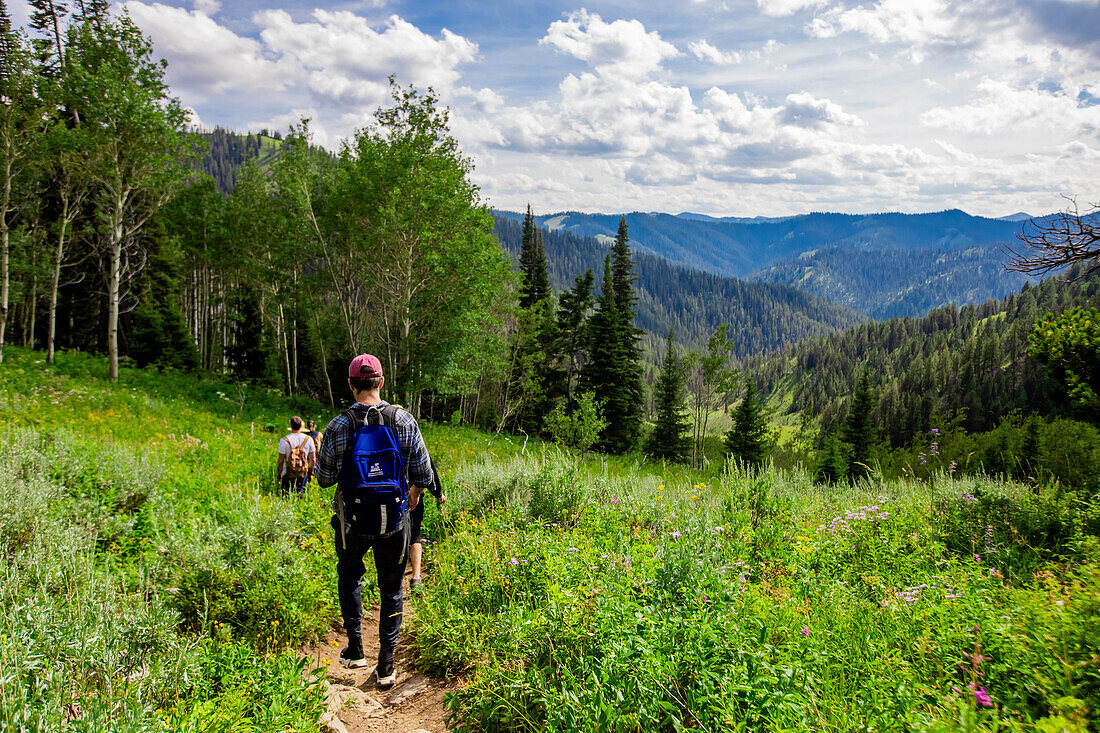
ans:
(365, 365)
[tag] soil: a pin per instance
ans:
(414, 703)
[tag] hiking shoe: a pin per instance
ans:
(352, 658)
(387, 675)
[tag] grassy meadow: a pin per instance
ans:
(153, 580)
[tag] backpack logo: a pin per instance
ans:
(375, 470)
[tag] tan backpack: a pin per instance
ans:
(297, 464)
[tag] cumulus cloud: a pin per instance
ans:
(779, 8)
(206, 58)
(703, 51)
(347, 60)
(1002, 106)
(622, 47)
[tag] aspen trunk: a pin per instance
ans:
(55, 280)
(113, 287)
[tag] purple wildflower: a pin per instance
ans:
(981, 696)
(935, 431)
(676, 534)
(805, 630)
(513, 561)
(614, 501)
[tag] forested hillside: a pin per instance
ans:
(971, 359)
(690, 302)
(889, 284)
(882, 265)
(227, 151)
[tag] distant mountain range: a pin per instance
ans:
(882, 265)
(690, 302)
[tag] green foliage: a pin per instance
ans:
(860, 432)
(1069, 344)
(605, 601)
(580, 429)
(831, 465)
(669, 441)
(748, 440)
(970, 361)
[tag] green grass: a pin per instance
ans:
(153, 581)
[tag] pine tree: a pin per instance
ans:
(860, 432)
(747, 440)
(626, 401)
(46, 18)
(830, 462)
(669, 439)
(572, 333)
(603, 373)
(1032, 451)
(532, 261)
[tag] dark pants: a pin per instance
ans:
(390, 557)
(297, 485)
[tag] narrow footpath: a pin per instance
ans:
(355, 702)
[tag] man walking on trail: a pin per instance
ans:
(297, 458)
(367, 517)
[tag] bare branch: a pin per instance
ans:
(1056, 242)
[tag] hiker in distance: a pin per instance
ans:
(316, 436)
(297, 458)
(375, 452)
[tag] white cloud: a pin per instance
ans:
(622, 47)
(348, 60)
(706, 52)
(779, 8)
(1002, 106)
(208, 7)
(206, 58)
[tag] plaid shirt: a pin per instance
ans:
(418, 465)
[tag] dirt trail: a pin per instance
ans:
(355, 702)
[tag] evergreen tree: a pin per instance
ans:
(603, 374)
(830, 462)
(669, 439)
(860, 432)
(532, 261)
(46, 18)
(572, 332)
(747, 440)
(625, 405)
(1032, 451)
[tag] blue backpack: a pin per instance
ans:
(372, 478)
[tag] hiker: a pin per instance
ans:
(312, 432)
(297, 457)
(415, 540)
(376, 453)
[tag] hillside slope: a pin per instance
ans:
(691, 302)
(972, 359)
(882, 265)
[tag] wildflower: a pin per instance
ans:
(614, 501)
(676, 534)
(981, 696)
(935, 431)
(968, 497)
(513, 561)
(977, 557)
(805, 630)
(573, 549)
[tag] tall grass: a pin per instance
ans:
(585, 598)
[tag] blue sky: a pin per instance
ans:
(725, 107)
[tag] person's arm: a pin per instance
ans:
(328, 458)
(280, 461)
